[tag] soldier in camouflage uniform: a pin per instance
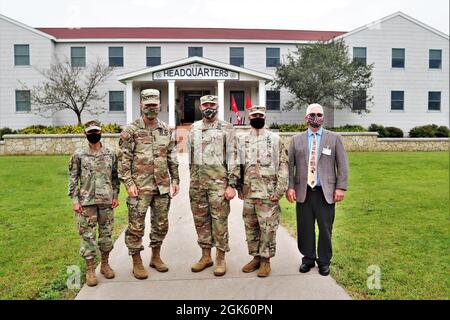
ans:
(210, 192)
(148, 166)
(94, 187)
(263, 174)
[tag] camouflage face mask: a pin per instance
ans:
(150, 112)
(209, 113)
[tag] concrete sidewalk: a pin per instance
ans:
(180, 251)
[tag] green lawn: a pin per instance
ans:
(38, 234)
(395, 216)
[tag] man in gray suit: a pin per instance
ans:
(318, 174)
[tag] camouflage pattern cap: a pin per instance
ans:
(92, 125)
(150, 96)
(209, 98)
(258, 109)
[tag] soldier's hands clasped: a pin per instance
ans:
(230, 193)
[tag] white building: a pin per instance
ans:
(411, 70)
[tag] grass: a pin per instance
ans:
(395, 216)
(38, 234)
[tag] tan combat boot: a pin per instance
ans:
(204, 262)
(105, 268)
(252, 265)
(220, 268)
(91, 279)
(139, 271)
(264, 268)
(156, 261)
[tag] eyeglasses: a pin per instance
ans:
(319, 115)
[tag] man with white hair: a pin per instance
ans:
(318, 175)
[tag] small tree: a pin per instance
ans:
(323, 72)
(69, 88)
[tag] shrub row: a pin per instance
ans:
(68, 129)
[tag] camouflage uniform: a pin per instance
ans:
(209, 149)
(146, 158)
(93, 184)
(263, 173)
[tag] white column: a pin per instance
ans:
(221, 96)
(129, 103)
(262, 93)
(171, 103)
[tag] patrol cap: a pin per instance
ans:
(258, 109)
(209, 98)
(150, 96)
(92, 125)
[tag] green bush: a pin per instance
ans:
(394, 132)
(297, 127)
(429, 131)
(348, 128)
(442, 132)
(68, 129)
(4, 131)
(382, 132)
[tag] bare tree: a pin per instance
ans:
(66, 87)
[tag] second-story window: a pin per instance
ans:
(153, 56)
(116, 56)
(435, 61)
(272, 57)
(78, 56)
(195, 52)
(237, 56)
(398, 58)
(21, 54)
(360, 55)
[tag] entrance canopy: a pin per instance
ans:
(177, 79)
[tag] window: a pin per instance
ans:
(237, 57)
(21, 54)
(23, 101)
(153, 56)
(359, 100)
(272, 57)
(435, 59)
(116, 56)
(360, 55)
(195, 52)
(116, 101)
(434, 101)
(398, 58)
(273, 100)
(238, 98)
(78, 56)
(397, 100)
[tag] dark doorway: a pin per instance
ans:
(191, 103)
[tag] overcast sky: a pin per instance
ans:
(336, 15)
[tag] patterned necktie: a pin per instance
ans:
(312, 170)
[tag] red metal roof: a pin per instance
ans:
(189, 33)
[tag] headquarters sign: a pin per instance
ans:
(195, 71)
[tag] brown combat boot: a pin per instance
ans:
(105, 268)
(91, 279)
(204, 262)
(264, 268)
(139, 271)
(252, 265)
(220, 268)
(156, 261)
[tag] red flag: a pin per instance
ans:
(248, 102)
(235, 109)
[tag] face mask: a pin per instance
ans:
(209, 113)
(150, 112)
(94, 137)
(314, 121)
(258, 123)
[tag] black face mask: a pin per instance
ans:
(94, 137)
(258, 123)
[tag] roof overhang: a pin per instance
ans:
(148, 73)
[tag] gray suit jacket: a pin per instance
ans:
(332, 169)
